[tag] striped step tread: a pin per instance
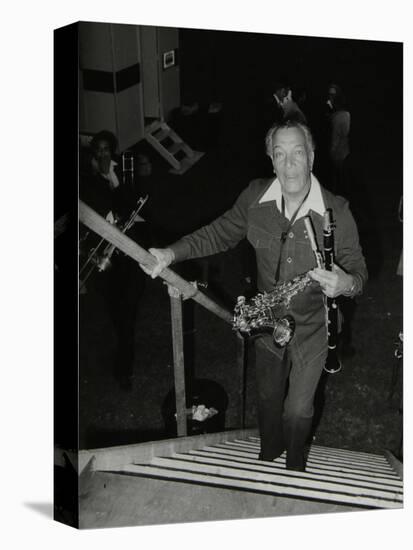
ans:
(323, 457)
(255, 442)
(327, 465)
(332, 475)
(182, 462)
(263, 484)
(279, 464)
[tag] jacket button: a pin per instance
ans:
(291, 235)
(289, 260)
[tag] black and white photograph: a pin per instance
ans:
(226, 277)
(239, 249)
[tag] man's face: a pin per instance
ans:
(103, 155)
(292, 161)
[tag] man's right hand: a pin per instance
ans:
(163, 256)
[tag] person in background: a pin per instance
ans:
(270, 213)
(339, 145)
(120, 285)
(102, 183)
(269, 110)
(275, 104)
(292, 105)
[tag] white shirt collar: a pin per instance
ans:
(313, 202)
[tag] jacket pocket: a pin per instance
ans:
(259, 238)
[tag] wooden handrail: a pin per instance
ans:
(112, 234)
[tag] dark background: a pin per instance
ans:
(358, 408)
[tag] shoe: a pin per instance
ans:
(267, 458)
(295, 463)
(296, 468)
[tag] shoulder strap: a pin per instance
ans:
(285, 232)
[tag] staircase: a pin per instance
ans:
(218, 476)
(332, 475)
(171, 147)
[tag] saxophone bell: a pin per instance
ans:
(257, 317)
(284, 329)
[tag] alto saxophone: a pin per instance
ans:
(261, 314)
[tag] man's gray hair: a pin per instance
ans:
(309, 140)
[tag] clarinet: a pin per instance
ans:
(333, 364)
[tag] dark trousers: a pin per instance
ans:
(285, 390)
(121, 288)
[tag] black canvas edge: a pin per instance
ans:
(66, 309)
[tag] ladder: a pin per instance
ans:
(171, 147)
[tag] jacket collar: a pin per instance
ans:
(314, 201)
